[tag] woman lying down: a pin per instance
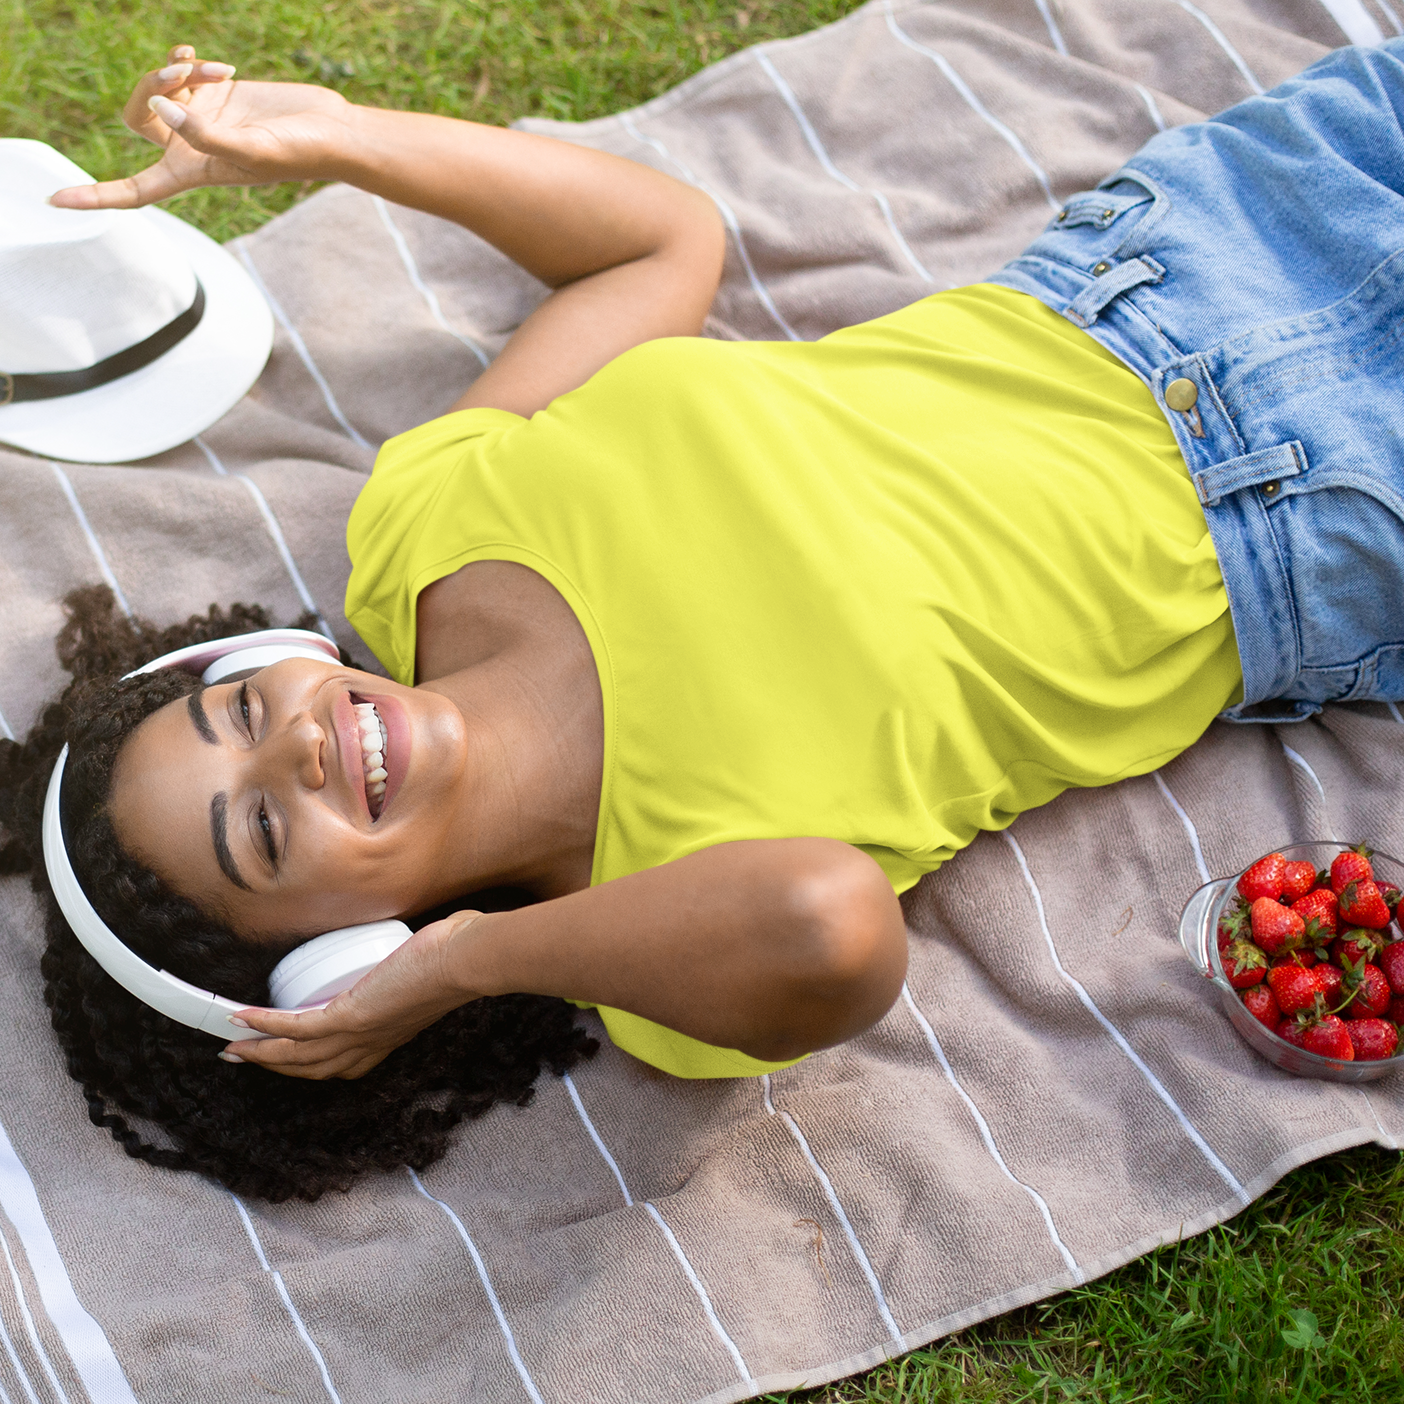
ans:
(714, 648)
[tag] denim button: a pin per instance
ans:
(1270, 489)
(1099, 268)
(1181, 394)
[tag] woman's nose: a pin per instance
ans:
(300, 748)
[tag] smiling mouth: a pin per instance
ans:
(374, 739)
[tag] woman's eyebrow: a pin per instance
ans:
(200, 717)
(219, 831)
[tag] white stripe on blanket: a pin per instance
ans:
(84, 1340)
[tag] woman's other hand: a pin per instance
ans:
(217, 132)
(404, 994)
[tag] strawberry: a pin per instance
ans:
(1391, 895)
(1330, 1038)
(1260, 1003)
(1331, 980)
(1395, 1012)
(1305, 958)
(1233, 924)
(1275, 928)
(1294, 988)
(1372, 993)
(1264, 878)
(1297, 880)
(1373, 1038)
(1351, 866)
(1362, 905)
(1318, 906)
(1391, 961)
(1293, 1032)
(1355, 947)
(1244, 964)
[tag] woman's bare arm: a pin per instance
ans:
(777, 947)
(630, 253)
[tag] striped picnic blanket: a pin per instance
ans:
(1047, 1100)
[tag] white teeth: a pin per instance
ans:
(373, 745)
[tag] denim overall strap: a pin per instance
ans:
(1250, 269)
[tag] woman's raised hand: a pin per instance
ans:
(404, 994)
(218, 132)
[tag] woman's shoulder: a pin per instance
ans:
(431, 447)
(391, 524)
(412, 470)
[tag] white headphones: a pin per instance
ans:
(309, 975)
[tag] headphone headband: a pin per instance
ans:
(167, 993)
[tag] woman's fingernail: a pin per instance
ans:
(217, 70)
(229, 1057)
(237, 1022)
(171, 113)
(176, 70)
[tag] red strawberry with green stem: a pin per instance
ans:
(1275, 928)
(1294, 988)
(1362, 905)
(1262, 1005)
(1264, 878)
(1297, 880)
(1318, 906)
(1356, 947)
(1329, 1037)
(1292, 1032)
(1371, 991)
(1373, 1039)
(1244, 965)
(1351, 866)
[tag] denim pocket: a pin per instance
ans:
(1100, 209)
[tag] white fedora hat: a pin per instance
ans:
(122, 332)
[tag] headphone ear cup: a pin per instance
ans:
(322, 968)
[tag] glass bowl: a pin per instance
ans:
(1199, 923)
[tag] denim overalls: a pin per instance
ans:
(1251, 270)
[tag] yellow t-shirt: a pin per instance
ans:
(892, 587)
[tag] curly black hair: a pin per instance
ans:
(256, 1132)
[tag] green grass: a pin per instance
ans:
(66, 68)
(1215, 1318)
(1204, 1321)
